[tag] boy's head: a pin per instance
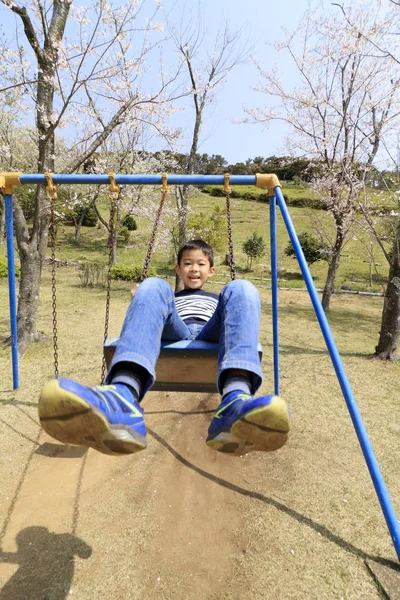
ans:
(195, 264)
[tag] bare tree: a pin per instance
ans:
(338, 114)
(206, 69)
(89, 76)
(384, 40)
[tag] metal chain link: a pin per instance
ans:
(231, 258)
(51, 190)
(114, 195)
(164, 191)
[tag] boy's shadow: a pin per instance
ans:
(46, 564)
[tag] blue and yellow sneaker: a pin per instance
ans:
(106, 417)
(243, 424)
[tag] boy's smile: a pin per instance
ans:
(194, 269)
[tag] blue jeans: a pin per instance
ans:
(152, 317)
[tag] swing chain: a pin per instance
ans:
(164, 191)
(231, 258)
(114, 195)
(51, 190)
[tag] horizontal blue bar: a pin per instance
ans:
(141, 179)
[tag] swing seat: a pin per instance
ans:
(184, 366)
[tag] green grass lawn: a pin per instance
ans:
(248, 216)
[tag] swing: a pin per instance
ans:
(178, 364)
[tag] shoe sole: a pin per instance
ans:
(264, 429)
(71, 420)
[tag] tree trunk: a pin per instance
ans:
(78, 225)
(182, 199)
(390, 324)
(28, 298)
(332, 270)
(32, 246)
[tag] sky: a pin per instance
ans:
(263, 21)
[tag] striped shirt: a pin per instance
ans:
(195, 306)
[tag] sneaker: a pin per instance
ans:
(243, 424)
(106, 417)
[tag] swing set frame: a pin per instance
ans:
(271, 182)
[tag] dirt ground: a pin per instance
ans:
(181, 522)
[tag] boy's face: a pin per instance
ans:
(194, 269)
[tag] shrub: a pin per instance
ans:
(130, 223)
(253, 247)
(73, 214)
(125, 273)
(4, 268)
(124, 234)
(90, 219)
(93, 275)
(209, 227)
(305, 202)
(217, 191)
(313, 249)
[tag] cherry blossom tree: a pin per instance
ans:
(384, 39)
(346, 101)
(206, 69)
(83, 69)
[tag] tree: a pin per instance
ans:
(206, 70)
(382, 39)
(346, 101)
(82, 66)
(253, 247)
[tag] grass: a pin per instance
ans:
(182, 523)
(308, 512)
(247, 216)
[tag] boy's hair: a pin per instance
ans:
(197, 245)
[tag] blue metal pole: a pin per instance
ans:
(274, 286)
(366, 446)
(141, 179)
(11, 287)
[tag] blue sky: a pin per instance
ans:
(263, 20)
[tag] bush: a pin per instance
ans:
(209, 227)
(305, 202)
(217, 191)
(93, 275)
(124, 234)
(130, 223)
(4, 268)
(313, 249)
(253, 247)
(89, 215)
(90, 219)
(124, 273)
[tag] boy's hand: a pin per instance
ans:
(133, 290)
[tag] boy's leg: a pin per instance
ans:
(242, 423)
(109, 418)
(150, 318)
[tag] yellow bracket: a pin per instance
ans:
(8, 181)
(227, 188)
(164, 180)
(268, 181)
(114, 188)
(51, 187)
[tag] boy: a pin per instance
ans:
(110, 418)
